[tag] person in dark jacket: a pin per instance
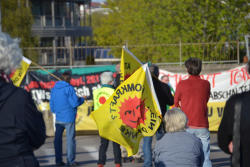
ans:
(165, 79)
(225, 132)
(165, 98)
(22, 128)
(118, 76)
(64, 103)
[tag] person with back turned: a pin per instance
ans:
(192, 96)
(165, 98)
(64, 103)
(227, 131)
(100, 96)
(22, 128)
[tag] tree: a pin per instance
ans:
(153, 22)
(90, 60)
(96, 22)
(17, 20)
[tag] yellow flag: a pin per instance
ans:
(129, 64)
(131, 113)
(17, 76)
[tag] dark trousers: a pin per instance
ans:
(103, 150)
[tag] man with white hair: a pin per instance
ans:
(100, 96)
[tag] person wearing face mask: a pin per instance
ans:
(100, 96)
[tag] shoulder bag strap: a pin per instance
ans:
(236, 132)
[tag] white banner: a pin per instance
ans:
(223, 85)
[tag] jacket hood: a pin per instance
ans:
(6, 91)
(61, 84)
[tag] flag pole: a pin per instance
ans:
(52, 75)
(46, 71)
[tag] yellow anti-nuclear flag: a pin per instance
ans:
(131, 113)
(17, 76)
(129, 64)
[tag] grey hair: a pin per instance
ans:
(154, 69)
(10, 54)
(106, 77)
(175, 120)
(164, 77)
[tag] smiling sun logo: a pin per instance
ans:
(133, 112)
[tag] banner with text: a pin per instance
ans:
(223, 85)
(84, 80)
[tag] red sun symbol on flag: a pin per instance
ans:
(102, 100)
(128, 75)
(133, 112)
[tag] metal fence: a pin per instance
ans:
(161, 54)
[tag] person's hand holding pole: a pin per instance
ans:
(85, 97)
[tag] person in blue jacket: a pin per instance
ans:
(64, 103)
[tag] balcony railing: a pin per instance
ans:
(45, 20)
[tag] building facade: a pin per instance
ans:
(60, 24)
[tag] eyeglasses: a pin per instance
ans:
(165, 80)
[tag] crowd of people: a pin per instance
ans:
(182, 139)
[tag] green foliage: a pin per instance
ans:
(90, 60)
(154, 22)
(17, 21)
(96, 22)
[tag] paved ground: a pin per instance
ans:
(87, 153)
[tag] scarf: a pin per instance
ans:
(5, 77)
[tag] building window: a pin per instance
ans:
(47, 13)
(76, 14)
(65, 13)
(36, 11)
(68, 8)
(59, 13)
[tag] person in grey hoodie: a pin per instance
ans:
(177, 147)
